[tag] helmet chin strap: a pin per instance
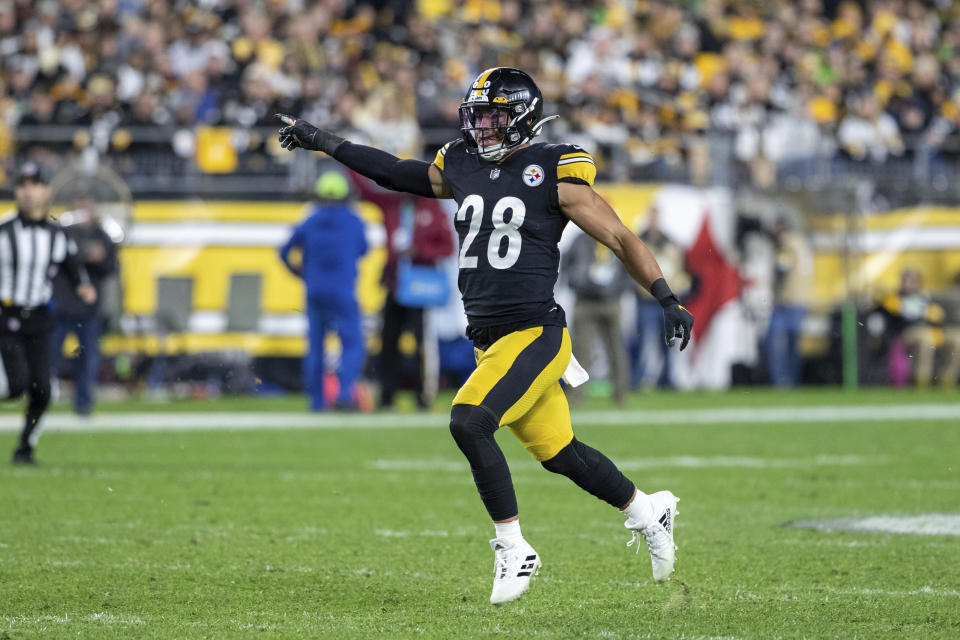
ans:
(535, 130)
(495, 154)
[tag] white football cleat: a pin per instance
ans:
(516, 563)
(658, 534)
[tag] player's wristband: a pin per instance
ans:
(661, 291)
(326, 142)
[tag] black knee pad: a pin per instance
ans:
(567, 462)
(472, 426)
(591, 471)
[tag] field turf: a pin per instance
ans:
(377, 531)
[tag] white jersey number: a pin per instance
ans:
(509, 229)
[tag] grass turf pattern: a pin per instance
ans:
(379, 533)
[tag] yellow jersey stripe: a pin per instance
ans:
(579, 154)
(440, 154)
(581, 169)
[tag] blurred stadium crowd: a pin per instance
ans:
(638, 83)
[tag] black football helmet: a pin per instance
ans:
(502, 110)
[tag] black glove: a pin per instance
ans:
(300, 133)
(677, 321)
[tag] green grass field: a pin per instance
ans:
(378, 532)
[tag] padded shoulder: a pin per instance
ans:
(574, 164)
(442, 152)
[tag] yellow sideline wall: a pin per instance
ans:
(926, 239)
(211, 266)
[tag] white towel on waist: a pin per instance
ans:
(575, 375)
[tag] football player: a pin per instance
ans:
(515, 197)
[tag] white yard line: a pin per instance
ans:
(806, 592)
(922, 591)
(180, 421)
(640, 464)
(930, 524)
(99, 617)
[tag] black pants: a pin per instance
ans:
(396, 318)
(26, 368)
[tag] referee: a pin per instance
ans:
(32, 249)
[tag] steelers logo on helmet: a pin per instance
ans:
(502, 110)
(533, 175)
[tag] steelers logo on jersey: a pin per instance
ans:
(533, 175)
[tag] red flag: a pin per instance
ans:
(718, 281)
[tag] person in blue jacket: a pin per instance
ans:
(331, 241)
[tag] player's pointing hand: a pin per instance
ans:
(296, 133)
(300, 133)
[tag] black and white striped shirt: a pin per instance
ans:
(31, 255)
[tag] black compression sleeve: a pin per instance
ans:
(661, 291)
(386, 170)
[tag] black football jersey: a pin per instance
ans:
(509, 223)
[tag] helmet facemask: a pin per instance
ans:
(490, 131)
